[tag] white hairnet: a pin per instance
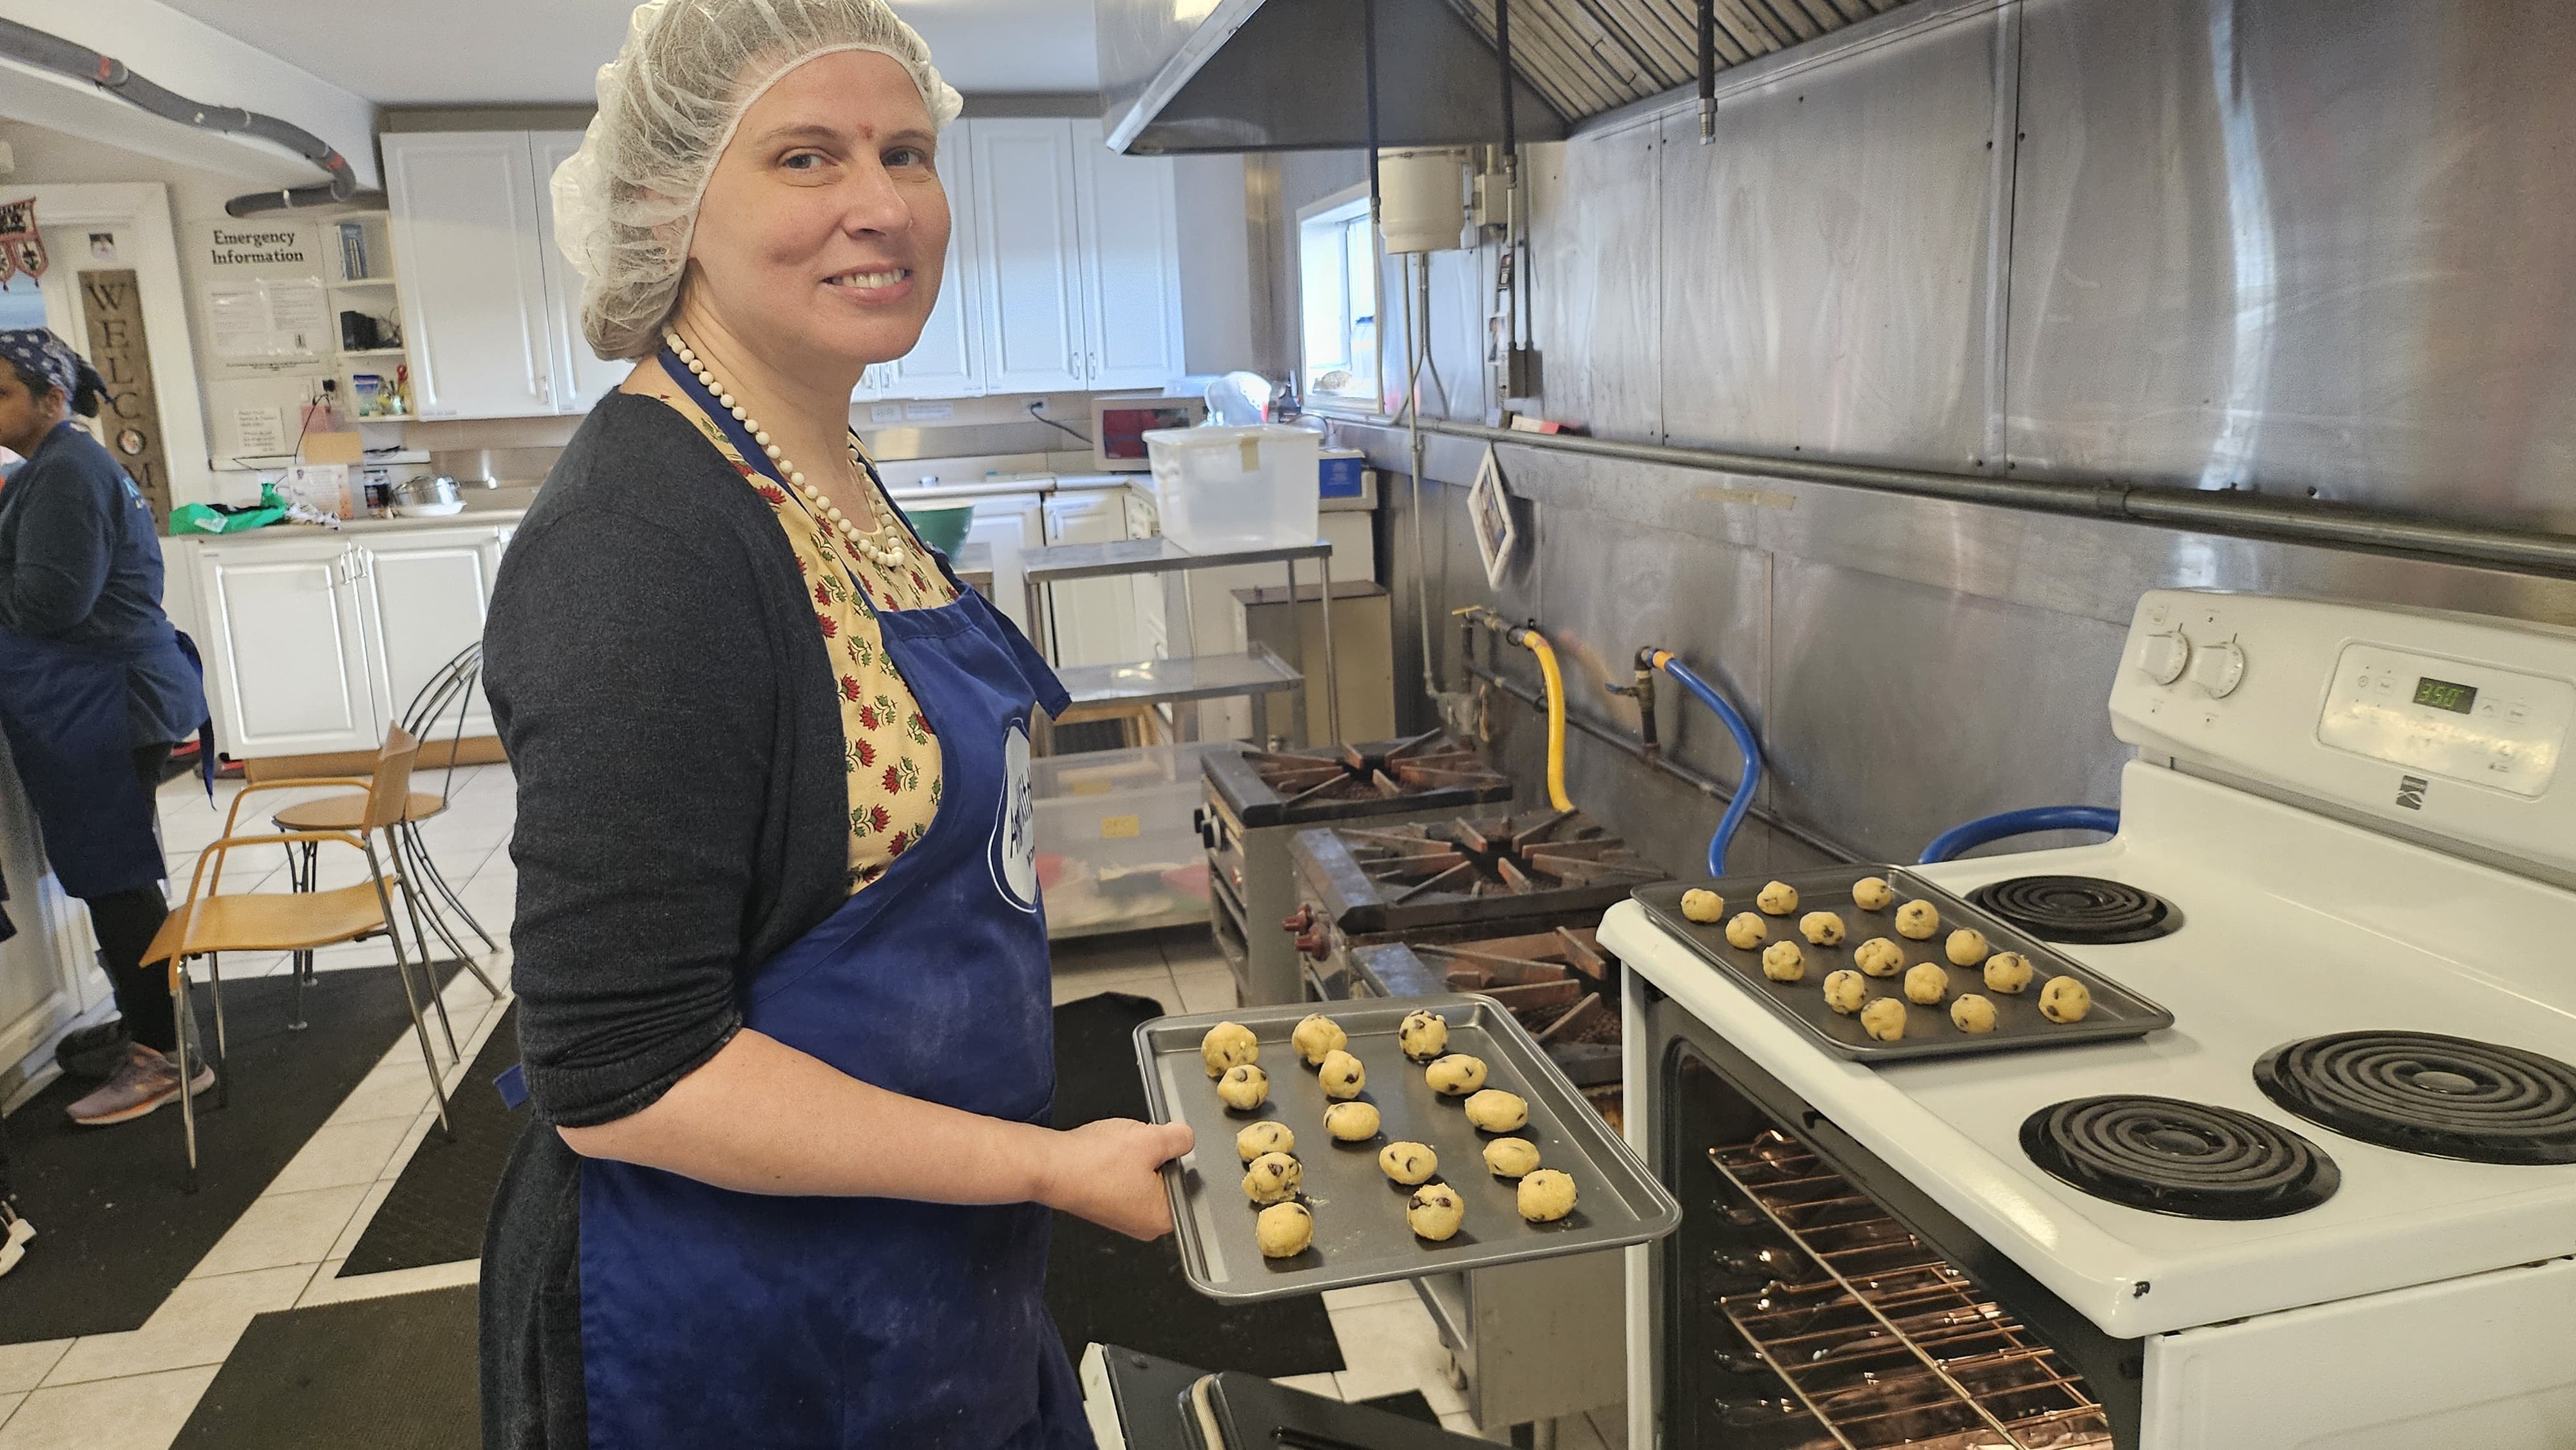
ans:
(627, 201)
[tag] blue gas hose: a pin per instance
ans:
(1950, 843)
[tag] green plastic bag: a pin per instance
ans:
(200, 518)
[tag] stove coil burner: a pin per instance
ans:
(2085, 910)
(2187, 1159)
(2421, 1092)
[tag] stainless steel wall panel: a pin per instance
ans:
(1595, 288)
(2325, 251)
(1824, 277)
(1898, 711)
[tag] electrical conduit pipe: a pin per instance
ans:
(1663, 660)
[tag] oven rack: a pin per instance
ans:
(1885, 1343)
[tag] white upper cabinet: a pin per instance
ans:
(582, 377)
(475, 318)
(948, 362)
(1029, 255)
(1131, 264)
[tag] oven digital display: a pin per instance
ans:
(2444, 695)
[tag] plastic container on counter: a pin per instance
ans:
(1114, 837)
(1221, 489)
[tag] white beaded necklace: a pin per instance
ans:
(883, 544)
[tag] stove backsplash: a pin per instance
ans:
(2200, 244)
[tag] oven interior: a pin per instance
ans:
(1811, 1299)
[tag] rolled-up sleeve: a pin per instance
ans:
(638, 714)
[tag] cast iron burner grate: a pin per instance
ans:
(2082, 909)
(1382, 770)
(2187, 1159)
(2421, 1092)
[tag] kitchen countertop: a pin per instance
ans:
(469, 519)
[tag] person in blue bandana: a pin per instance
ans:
(96, 687)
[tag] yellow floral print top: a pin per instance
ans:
(889, 752)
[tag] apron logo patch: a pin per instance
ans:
(1014, 851)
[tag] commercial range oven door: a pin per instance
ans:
(1814, 1298)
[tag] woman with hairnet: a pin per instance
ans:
(782, 971)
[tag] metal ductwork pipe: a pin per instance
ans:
(45, 51)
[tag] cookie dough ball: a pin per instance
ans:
(1879, 957)
(1285, 1230)
(1845, 991)
(1316, 1037)
(1434, 1211)
(2065, 999)
(1703, 907)
(1546, 1195)
(1341, 1075)
(1408, 1162)
(1244, 1088)
(1746, 931)
(1273, 1178)
(1456, 1075)
(1926, 983)
(1351, 1122)
(1497, 1111)
(1510, 1157)
(1423, 1035)
(2007, 972)
(1972, 1013)
(1779, 898)
(1872, 893)
(1264, 1137)
(1821, 927)
(1884, 1019)
(1783, 962)
(1967, 947)
(1228, 1044)
(1917, 920)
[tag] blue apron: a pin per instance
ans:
(66, 710)
(713, 1318)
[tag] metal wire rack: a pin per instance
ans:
(1882, 1341)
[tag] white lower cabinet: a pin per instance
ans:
(1012, 524)
(1093, 620)
(318, 645)
(286, 662)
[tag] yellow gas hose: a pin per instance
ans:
(1536, 643)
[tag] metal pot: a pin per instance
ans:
(425, 494)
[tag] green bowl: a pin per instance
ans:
(943, 529)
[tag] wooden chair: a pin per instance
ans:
(452, 688)
(208, 924)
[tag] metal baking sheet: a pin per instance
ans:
(2117, 1012)
(1360, 1233)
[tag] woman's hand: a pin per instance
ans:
(1107, 1172)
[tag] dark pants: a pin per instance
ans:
(125, 923)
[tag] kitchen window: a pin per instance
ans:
(1337, 269)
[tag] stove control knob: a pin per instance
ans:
(2219, 669)
(1316, 944)
(1304, 919)
(2163, 656)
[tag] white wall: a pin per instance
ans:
(198, 62)
(1216, 264)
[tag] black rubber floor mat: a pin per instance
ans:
(391, 1374)
(1107, 1287)
(115, 1233)
(436, 1211)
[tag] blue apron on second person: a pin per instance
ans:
(67, 710)
(710, 1317)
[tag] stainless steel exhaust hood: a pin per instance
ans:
(1289, 75)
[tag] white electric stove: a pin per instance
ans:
(2359, 821)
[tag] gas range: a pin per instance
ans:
(2363, 938)
(1255, 803)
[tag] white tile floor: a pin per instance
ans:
(134, 1390)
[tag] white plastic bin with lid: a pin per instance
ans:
(1116, 844)
(1220, 489)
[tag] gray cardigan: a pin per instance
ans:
(669, 710)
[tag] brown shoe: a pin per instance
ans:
(144, 1082)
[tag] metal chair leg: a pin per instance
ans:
(303, 875)
(180, 1007)
(420, 938)
(419, 1023)
(438, 882)
(223, 1048)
